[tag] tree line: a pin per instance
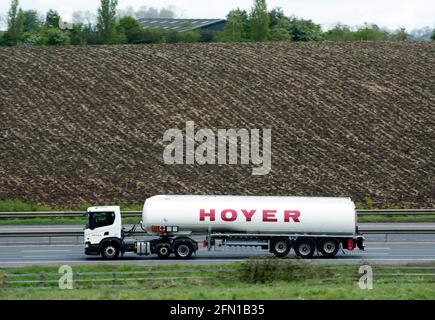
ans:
(28, 27)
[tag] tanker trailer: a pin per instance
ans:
(275, 224)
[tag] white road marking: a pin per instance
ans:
(38, 257)
(366, 253)
(413, 255)
(26, 245)
(45, 251)
(40, 229)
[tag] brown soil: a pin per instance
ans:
(85, 124)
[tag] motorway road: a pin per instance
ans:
(376, 252)
(35, 251)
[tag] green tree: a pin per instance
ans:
(131, 28)
(276, 15)
(236, 27)
(259, 21)
(433, 35)
(340, 33)
(106, 21)
(32, 38)
(15, 24)
(304, 30)
(55, 37)
(190, 36)
(370, 33)
(173, 36)
(90, 34)
(279, 34)
(32, 21)
(400, 35)
(77, 34)
(52, 19)
(207, 36)
(157, 36)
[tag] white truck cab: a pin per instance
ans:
(103, 227)
(104, 235)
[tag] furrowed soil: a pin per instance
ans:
(86, 123)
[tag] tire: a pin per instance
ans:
(328, 247)
(305, 248)
(183, 249)
(280, 247)
(163, 250)
(109, 251)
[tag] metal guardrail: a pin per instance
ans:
(57, 214)
(393, 212)
(71, 214)
(31, 280)
(30, 234)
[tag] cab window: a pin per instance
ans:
(101, 219)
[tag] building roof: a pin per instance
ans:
(177, 24)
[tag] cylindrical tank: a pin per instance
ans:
(250, 214)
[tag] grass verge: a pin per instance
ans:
(19, 206)
(254, 279)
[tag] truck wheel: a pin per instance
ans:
(109, 251)
(163, 250)
(328, 247)
(305, 248)
(280, 247)
(183, 250)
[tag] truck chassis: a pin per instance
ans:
(184, 247)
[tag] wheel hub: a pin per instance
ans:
(183, 250)
(280, 247)
(305, 249)
(329, 247)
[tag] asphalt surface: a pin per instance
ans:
(377, 252)
(394, 249)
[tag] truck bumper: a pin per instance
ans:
(92, 249)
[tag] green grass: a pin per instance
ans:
(20, 206)
(319, 282)
(397, 218)
(280, 291)
(58, 221)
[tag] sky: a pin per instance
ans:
(391, 14)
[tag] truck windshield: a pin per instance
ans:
(100, 219)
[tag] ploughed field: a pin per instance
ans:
(85, 124)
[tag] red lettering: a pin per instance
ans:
(203, 214)
(231, 218)
(269, 216)
(291, 214)
(248, 214)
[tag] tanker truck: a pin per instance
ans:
(273, 223)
